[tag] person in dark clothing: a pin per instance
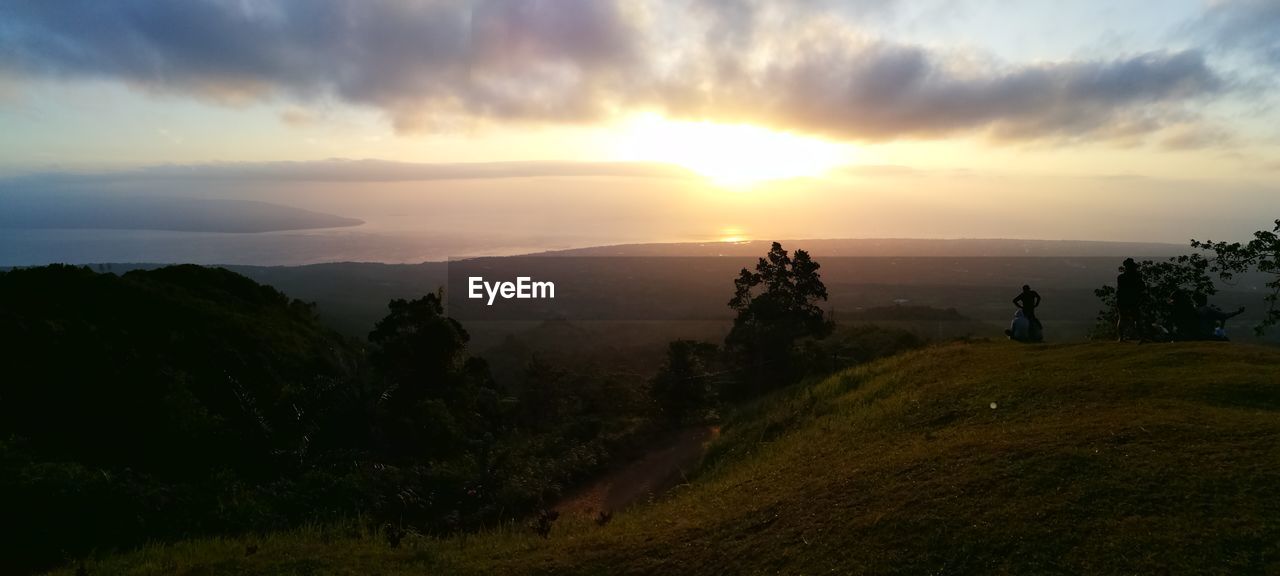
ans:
(1130, 291)
(1183, 316)
(1028, 301)
(1212, 318)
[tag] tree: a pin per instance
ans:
(1188, 273)
(684, 384)
(417, 349)
(776, 306)
(435, 395)
(1261, 254)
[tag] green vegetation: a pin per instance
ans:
(223, 423)
(957, 459)
(188, 401)
(687, 383)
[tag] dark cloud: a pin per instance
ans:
(503, 58)
(1251, 27)
(580, 60)
(885, 91)
(827, 78)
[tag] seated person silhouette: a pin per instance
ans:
(1023, 329)
(1213, 321)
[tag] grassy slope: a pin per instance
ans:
(1099, 458)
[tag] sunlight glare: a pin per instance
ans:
(731, 155)
(733, 236)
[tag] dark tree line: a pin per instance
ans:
(188, 401)
(1193, 274)
(780, 335)
(1261, 254)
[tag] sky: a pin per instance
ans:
(1110, 120)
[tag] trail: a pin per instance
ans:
(651, 475)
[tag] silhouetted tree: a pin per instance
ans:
(1188, 274)
(1261, 254)
(417, 349)
(685, 383)
(186, 400)
(776, 306)
(434, 393)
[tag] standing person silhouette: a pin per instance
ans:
(1028, 301)
(1130, 290)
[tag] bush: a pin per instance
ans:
(686, 384)
(853, 345)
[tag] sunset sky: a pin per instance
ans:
(1091, 119)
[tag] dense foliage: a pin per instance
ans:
(188, 400)
(1187, 274)
(687, 384)
(126, 398)
(1261, 254)
(779, 336)
(1190, 274)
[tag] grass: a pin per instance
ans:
(1097, 459)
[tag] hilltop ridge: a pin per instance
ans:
(985, 457)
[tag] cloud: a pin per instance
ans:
(498, 58)
(799, 66)
(1245, 26)
(1195, 136)
(817, 73)
(298, 117)
(884, 91)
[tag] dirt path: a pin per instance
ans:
(651, 475)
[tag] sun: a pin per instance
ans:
(733, 235)
(731, 155)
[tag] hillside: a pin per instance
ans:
(186, 402)
(127, 398)
(967, 458)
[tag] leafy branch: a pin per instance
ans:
(1261, 254)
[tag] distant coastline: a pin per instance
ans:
(32, 247)
(89, 211)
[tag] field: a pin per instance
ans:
(978, 457)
